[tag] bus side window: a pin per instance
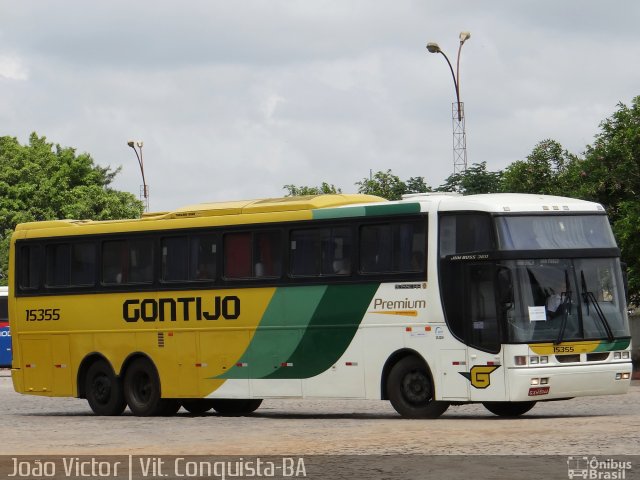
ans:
(141, 261)
(336, 251)
(302, 253)
(267, 256)
(57, 265)
(113, 261)
(393, 248)
(237, 255)
(83, 264)
(203, 257)
(29, 267)
(174, 259)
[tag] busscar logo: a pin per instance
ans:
(480, 375)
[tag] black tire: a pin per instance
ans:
(103, 390)
(235, 407)
(410, 390)
(509, 409)
(197, 406)
(142, 389)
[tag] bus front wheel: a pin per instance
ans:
(142, 390)
(104, 390)
(411, 392)
(509, 409)
(235, 407)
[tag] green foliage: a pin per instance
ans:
(476, 179)
(42, 181)
(324, 189)
(417, 185)
(610, 174)
(383, 184)
(544, 171)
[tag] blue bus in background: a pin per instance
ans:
(5, 335)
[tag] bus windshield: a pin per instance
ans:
(556, 300)
(548, 232)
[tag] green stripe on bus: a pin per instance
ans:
(368, 211)
(279, 332)
(333, 326)
(620, 344)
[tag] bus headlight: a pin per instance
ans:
(617, 355)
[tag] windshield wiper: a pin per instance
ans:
(589, 296)
(566, 307)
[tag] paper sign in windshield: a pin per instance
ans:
(537, 314)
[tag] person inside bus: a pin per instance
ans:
(555, 303)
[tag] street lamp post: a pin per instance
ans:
(145, 188)
(459, 134)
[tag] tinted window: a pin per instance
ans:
(189, 258)
(57, 261)
(535, 232)
(29, 269)
(321, 251)
(248, 255)
(465, 233)
(83, 264)
(127, 262)
(395, 247)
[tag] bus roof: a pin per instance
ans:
(214, 213)
(307, 208)
(505, 203)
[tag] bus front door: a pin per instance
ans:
(485, 373)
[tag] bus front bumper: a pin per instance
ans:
(551, 383)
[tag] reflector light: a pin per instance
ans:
(520, 360)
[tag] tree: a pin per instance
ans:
(544, 171)
(417, 185)
(475, 179)
(383, 184)
(40, 181)
(610, 174)
(325, 188)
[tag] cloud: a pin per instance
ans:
(236, 99)
(13, 68)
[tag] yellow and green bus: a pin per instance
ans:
(504, 299)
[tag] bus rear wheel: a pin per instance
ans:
(235, 407)
(142, 390)
(197, 406)
(411, 392)
(509, 409)
(104, 390)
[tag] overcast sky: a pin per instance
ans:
(236, 98)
